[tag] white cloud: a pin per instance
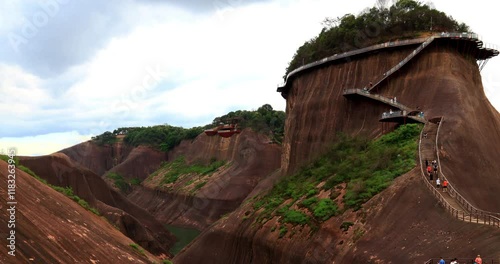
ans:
(183, 68)
(22, 93)
(42, 144)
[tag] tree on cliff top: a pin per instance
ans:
(264, 120)
(404, 19)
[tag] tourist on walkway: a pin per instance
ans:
(454, 261)
(431, 177)
(478, 260)
(445, 185)
(442, 261)
(429, 169)
(438, 183)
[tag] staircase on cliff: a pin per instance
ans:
(402, 63)
(405, 113)
(453, 202)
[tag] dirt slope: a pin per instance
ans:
(51, 228)
(132, 220)
(250, 158)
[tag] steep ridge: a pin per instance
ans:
(250, 158)
(404, 223)
(130, 162)
(133, 221)
(411, 230)
(50, 228)
(440, 82)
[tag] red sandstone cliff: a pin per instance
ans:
(130, 162)
(404, 223)
(132, 220)
(50, 228)
(441, 81)
(250, 158)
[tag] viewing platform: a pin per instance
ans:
(403, 117)
(364, 92)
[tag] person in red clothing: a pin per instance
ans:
(429, 169)
(445, 185)
(478, 260)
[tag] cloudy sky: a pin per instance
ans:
(70, 69)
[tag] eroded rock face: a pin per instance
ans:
(50, 228)
(132, 220)
(404, 222)
(439, 81)
(130, 162)
(250, 158)
(401, 224)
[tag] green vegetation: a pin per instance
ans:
(184, 237)
(346, 225)
(325, 209)
(162, 137)
(283, 231)
(264, 120)
(138, 249)
(199, 185)
(166, 137)
(135, 181)
(64, 190)
(68, 191)
(119, 181)
(365, 167)
(179, 167)
(105, 138)
(405, 19)
(166, 261)
(295, 217)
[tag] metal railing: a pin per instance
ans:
(377, 97)
(473, 214)
(469, 36)
(463, 260)
(448, 207)
(490, 216)
(403, 62)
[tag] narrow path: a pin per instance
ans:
(428, 152)
(451, 199)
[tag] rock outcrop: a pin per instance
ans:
(50, 228)
(59, 170)
(404, 222)
(130, 162)
(250, 158)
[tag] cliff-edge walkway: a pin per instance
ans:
(451, 200)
